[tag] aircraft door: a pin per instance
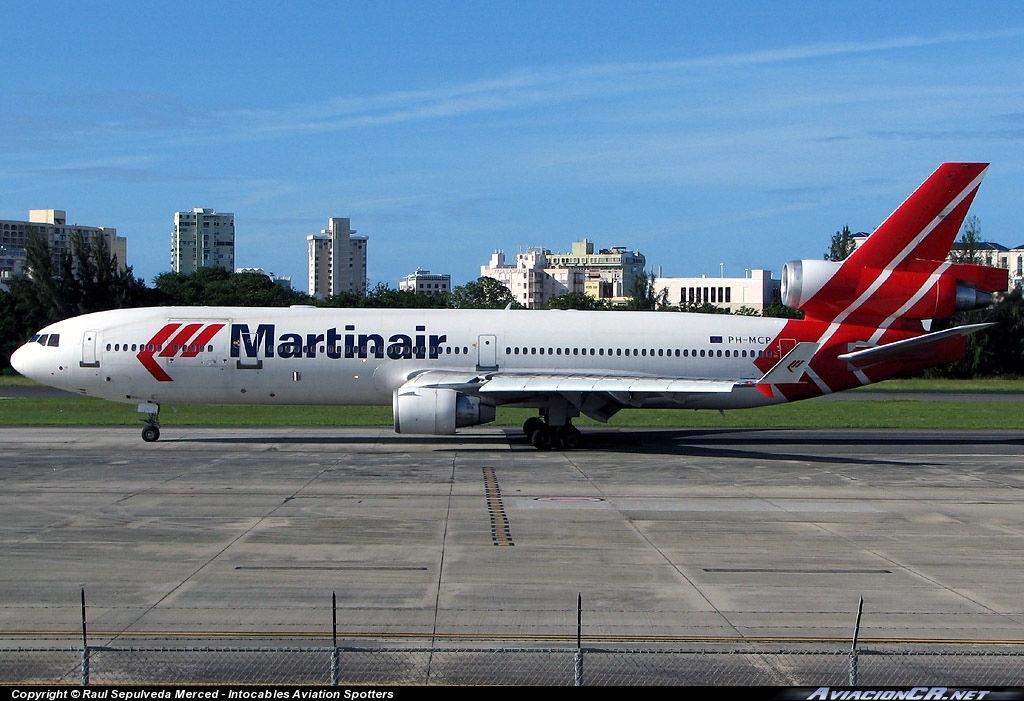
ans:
(487, 352)
(785, 345)
(89, 358)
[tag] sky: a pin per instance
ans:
(713, 137)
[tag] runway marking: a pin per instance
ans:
(501, 532)
(792, 571)
(346, 568)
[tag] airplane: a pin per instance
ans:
(866, 319)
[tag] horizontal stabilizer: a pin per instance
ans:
(908, 347)
(791, 368)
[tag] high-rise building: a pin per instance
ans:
(52, 225)
(337, 260)
(202, 238)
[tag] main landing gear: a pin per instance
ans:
(546, 437)
(151, 431)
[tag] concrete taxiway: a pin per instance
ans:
(678, 533)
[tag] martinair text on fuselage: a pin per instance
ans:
(348, 344)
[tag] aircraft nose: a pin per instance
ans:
(26, 360)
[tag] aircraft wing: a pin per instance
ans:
(908, 347)
(600, 396)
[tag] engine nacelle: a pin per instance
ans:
(815, 287)
(438, 412)
(802, 279)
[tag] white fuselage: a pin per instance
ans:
(306, 355)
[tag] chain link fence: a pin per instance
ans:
(709, 664)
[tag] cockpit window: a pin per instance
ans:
(54, 339)
(42, 339)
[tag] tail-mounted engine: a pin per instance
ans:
(429, 410)
(918, 290)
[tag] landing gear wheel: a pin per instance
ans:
(542, 439)
(570, 437)
(532, 425)
(150, 434)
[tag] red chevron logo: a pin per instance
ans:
(185, 341)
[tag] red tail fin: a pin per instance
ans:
(926, 224)
(899, 276)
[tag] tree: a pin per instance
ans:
(86, 278)
(643, 297)
(992, 352)
(221, 287)
(966, 249)
(384, 296)
(779, 310)
(842, 246)
(576, 300)
(484, 293)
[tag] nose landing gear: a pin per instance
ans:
(151, 431)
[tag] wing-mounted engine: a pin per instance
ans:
(917, 290)
(437, 411)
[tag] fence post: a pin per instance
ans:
(577, 667)
(335, 656)
(85, 645)
(853, 648)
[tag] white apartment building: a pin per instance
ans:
(202, 238)
(52, 224)
(337, 260)
(538, 275)
(424, 282)
(756, 291)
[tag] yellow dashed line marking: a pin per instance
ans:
(501, 533)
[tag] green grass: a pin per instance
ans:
(896, 413)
